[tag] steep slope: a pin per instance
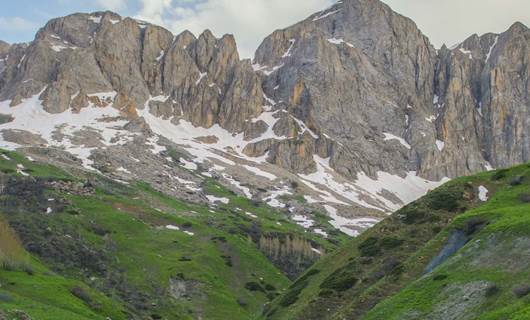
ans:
(460, 252)
(102, 249)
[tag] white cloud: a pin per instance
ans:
(16, 24)
(452, 21)
(111, 4)
(249, 20)
(447, 21)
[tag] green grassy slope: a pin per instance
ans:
(103, 249)
(384, 273)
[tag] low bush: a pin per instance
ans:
(369, 247)
(292, 295)
(340, 280)
(81, 294)
(473, 225)
(492, 290)
(516, 181)
(521, 290)
(524, 197)
(391, 242)
(410, 215)
(439, 277)
(254, 286)
(500, 174)
(446, 199)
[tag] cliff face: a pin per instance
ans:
(352, 104)
(358, 71)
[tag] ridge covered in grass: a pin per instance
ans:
(100, 248)
(461, 250)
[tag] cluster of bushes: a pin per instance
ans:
(340, 280)
(373, 246)
(444, 199)
(263, 287)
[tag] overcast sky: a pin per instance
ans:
(443, 21)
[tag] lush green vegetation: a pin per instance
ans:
(480, 271)
(102, 249)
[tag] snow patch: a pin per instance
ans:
(440, 145)
(259, 172)
(303, 221)
(389, 136)
(325, 15)
(214, 199)
(340, 41)
(288, 52)
(95, 19)
(483, 193)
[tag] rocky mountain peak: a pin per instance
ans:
(4, 46)
(518, 27)
(352, 97)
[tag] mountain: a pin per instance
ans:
(339, 120)
(353, 106)
(457, 253)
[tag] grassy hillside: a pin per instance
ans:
(449, 255)
(97, 248)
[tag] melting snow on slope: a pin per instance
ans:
(257, 171)
(406, 189)
(185, 134)
(440, 145)
(389, 136)
(466, 52)
(483, 193)
(288, 52)
(491, 48)
(272, 199)
(345, 224)
(30, 116)
(325, 15)
(303, 221)
(214, 199)
(340, 41)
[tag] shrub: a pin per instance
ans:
(473, 225)
(411, 215)
(439, 277)
(516, 181)
(326, 293)
(500, 174)
(524, 197)
(391, 242)
(369, 247)
(308, 274)
(12, 255)
(444, 200)
(81, 294)
(242, 302)
(292, 295)
(341, 280)
(270, 287)
(254, 286)
(521, 291)
(392, 266)
(492, 290)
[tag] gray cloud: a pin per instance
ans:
(452, 21)
(443, 21)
